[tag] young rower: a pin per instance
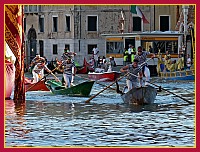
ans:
(69, 70)
(132, 78)
(34, 66)
(141, 57)
(38, 71)
(68, 55)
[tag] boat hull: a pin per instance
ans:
(39, 86)
(80, 90)
(178, 75)
(82, 70)
(140, 96)
(85, 68)
(188, 77)
(106, 76)
(10, 79)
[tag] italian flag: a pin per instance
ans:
(136, 10)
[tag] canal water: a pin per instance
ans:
(47, 120)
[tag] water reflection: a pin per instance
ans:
(48, 120)
(15, 116)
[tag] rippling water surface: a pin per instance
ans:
(49, 120)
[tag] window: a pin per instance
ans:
(171, 46)
(130, 40)
(67, 23)
(39, 8)
(164, 23)
(24, 25)
(67, 46)
(137, 24)
(114, 47)
(90, 48)
(41, 43)
(41, 23)
(25, 8)
(55, 24)
(55, 49)
(32, 8)
(92, 23)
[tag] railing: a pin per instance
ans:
(177, 73)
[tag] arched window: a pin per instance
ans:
(32, 44)
(32, 34)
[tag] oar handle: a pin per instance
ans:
(87, 101)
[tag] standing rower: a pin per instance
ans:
(69, 70)
(133, 70)
(141, 57)
(34, 65)
(68, 55)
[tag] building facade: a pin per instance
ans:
(51, 28)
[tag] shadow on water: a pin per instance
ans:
(139, 108)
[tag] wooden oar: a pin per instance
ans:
(96, 82)
(87, 101)
(172, 93)
(43, 78)
(56, 78)
(145, 62)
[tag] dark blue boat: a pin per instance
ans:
(178, 75)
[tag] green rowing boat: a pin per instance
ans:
(80, 90)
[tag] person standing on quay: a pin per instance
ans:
(160, 63)
(96, 55)
(130, 50)
(189, 61)
(180, 63)
(125, 56)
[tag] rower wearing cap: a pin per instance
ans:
(37, 60)
(69, 70)
(135, 73)
(141, 57)
(68, 55)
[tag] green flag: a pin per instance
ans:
(136, 10)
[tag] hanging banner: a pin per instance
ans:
(14, 38)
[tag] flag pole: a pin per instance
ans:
(129, 24)
(23, 56)
(150, 21)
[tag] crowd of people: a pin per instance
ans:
(104, 65)
(166, 64)
(129, 54)
(135, 63)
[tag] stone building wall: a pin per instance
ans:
(78, 37)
